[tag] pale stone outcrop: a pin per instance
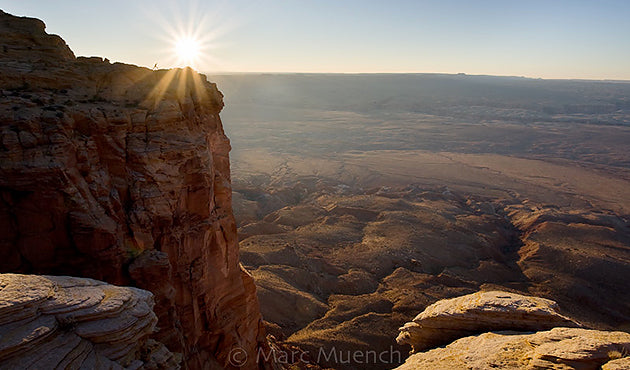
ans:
(617, 364)
(50, 322)
(558, 348)
(450, 319)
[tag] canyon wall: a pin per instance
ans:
(121, 173)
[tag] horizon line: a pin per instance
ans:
(461, 74)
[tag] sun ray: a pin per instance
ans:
(198, 85)
(192, 32)
(191, 35)
(158, 92)
(187, 49)
(182, 84)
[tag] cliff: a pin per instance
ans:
(121, 174)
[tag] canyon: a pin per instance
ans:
(363, 199)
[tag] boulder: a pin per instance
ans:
(558, 348)
(617, 364)
(450, 319)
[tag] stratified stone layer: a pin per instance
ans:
(450, 319)
(52, 322)
(558, 348)
(519, 332)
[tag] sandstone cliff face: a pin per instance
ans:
(52, 322)
(121, 174)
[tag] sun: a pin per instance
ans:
(191, 33)
(187, 51)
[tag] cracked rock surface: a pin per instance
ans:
(50, 322)
(450, 319)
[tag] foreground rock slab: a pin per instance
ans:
(558, 348)
(450, 319)
(50, 322)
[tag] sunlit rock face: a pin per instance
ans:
(122, 174)
(558, 348)
(519, 332)
(450, 319)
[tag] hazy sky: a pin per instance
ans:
(549, 39)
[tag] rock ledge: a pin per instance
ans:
(450, 319)
(49, 322)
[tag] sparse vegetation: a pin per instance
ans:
(618, 353)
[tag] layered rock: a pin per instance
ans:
(450, 319)
(519, 332)
(558, 348)
(617, 364)
(50, 322)
(121, 174)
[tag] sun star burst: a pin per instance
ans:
(188, 50)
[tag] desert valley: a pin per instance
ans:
(385, 193)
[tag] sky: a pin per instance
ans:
(532, 38)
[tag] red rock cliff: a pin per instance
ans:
(122, 174)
